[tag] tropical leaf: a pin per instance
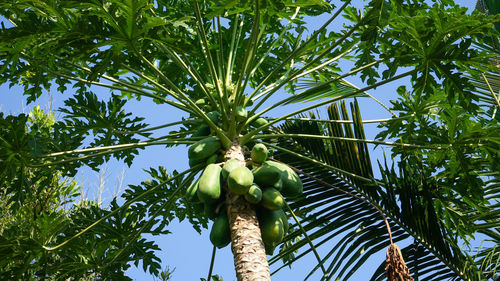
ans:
(337, 176)
(487, 84)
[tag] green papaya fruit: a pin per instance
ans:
(203, 131)
(194, 162)
(200, 102)
(230, 165)
(204, 148)
(271, 227)
(259, 153)
(278, 185)
(241, 113)
(269, 249)
(192, 190)
(267, 175)
(210, 210)
(271, 246)
(259, 122)
(239, 180)
(209, 188)
(214, 116)
(272, 199)
(212, 159)
(254, 194)
(292, 185)
(220, 234)
(284, 220)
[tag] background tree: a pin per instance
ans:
(237, 58)
(50, 209)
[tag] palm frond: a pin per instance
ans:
(341, 213)
(487, 84)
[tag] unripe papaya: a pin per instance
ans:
(292, 185)
(271, 227)
(220, 235)
(194, 162)
(284, 220)
(273, 233)
(259, 122)
(272, 199)
(192, 190)
(212, 159)
(210, 210)
(204, 148)
(259, 153)
(239, 180)
(267, 175)
(254, 194)
(230, 165)
(214, 116)
(209, 188)
(241, 113)
(269, 249)
(278, 185)
(203, 131)
(200, 102)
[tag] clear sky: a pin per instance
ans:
(185, 250)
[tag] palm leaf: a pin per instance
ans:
(487, 84)
(340, 208)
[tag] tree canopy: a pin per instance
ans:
(436, 191)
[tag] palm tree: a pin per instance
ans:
(226, 65)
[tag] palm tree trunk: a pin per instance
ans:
(250, 261)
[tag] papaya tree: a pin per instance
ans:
(266, 179)
(51, 208)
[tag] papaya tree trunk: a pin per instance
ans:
(250, 259)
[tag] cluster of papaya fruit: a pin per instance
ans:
(262, 182)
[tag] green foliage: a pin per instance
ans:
(234, 57)
(149, 202)
(108, 123)
(24, 138)
(463, 147)
(343, 200)
(39, 208)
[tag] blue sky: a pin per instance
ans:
(185, 250)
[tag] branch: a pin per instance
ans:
(222, 136)
(133, 91)
(299, 49)
(125, 205)
(351, 121)
(325, 274)
(320, 56)
(169, 201)
(206, 50)
(119, 146)
(436, 147)
(156, 127)
(491, 90)
(249, 135)
(107, 150)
